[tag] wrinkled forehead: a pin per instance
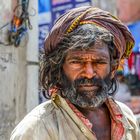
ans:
(97, 48)
(97, 44)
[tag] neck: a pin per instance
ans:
(98, 116)
(100, 119)
(96, 110)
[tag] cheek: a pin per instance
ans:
(69, 72)
(104, 71)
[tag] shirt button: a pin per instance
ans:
(83, 129)
(53, 98)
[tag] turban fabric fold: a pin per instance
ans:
(68, 22)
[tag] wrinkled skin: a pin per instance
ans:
(87, 76)
(86, 80)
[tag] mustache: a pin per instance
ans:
(93, 81)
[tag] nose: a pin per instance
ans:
(89, 71)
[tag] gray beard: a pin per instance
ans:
(86, 99)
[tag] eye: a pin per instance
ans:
(102, 62)
(75, 62)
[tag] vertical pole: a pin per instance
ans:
(32, 99)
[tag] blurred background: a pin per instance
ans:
(24, 25)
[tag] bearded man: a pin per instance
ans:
(82, 54)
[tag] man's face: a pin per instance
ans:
(87, 75)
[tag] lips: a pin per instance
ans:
(87, 87)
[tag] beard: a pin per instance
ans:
(84, 98)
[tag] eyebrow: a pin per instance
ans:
(75, 57)
(80, 58)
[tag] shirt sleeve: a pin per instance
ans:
(132, 120)
(30, 128)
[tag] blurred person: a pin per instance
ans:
(82, 54)
(128, 10)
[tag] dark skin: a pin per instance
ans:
(100, 119)
(91, 63)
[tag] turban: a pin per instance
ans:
(122, 38)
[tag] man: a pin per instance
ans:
(82, 53)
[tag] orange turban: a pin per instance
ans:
(68, 22)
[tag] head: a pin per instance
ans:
(131, 7)
(81, 61)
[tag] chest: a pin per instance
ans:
(101, 125)
(102, 132)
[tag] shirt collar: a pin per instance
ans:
(117, 114)
(114, 109)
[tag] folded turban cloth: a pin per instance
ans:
(68, 22)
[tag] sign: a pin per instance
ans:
(50, 10)
(59, 7)
(45, 20)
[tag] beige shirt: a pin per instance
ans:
(55, 120)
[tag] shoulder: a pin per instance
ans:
(128, 114)
(32, 125)
(124, 108)
(126, 111)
